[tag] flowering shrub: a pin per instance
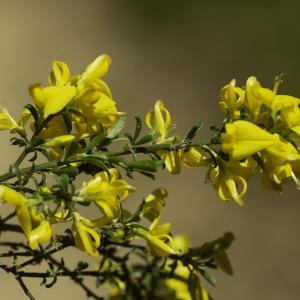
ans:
(73, 124)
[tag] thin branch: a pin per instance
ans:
(8, 217)
(78, 281)
(25, 288)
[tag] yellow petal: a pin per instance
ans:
(60, 74)
(11, 196)
(57, 97)
(39, 235)
(97, 69)
(60, 140)
(243, 139)
(24, 218)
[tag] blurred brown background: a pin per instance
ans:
(181, 52)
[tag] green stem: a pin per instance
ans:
(42, 167)
(21, 157)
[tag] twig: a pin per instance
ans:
(24, 287)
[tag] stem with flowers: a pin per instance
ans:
(68, 134)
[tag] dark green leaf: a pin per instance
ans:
(138, 128)
(70, 170)
(147, 138)
(210, 249)
(33, 111)
(99, 163)
(145, 165)
(82, 265)
(67, 121)
(63, 181)
(208, 277)
(34, 157)
(194, 287)
(193, 131)
(95, 141)
(223, 262)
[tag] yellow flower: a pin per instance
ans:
(86, 239)
(97, 69)
(6, 121)
(40, 234)
(154, 204)
(289, 111)
(256, 96)
(60, 140)
(60, 74)
(243, 139)
(51, 99)
(11, 196)
(172, 160)
(159, 120)
(229, 177)
(96, 104)
(36, 229)
(193, 157)
(232, 98)
(277, 164)
(157, 239)
(107, 193)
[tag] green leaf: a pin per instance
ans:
(147, 138)
(117, 127)
(67, 121)
(33, 111)
(208, 277)
(99, 163)
(82, 265)
(145, 165)
(210, 249)
(194, 287)
(70, 170)
(63, 181)
(138, 128)
(193, 131)
(223, 262)
(99, 137)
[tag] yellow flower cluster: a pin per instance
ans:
(159, 121)
(74, 109)
(260, 134)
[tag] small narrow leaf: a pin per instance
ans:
(33, 111)
(223, 262)
(208, 277)
(193, 131)
(95, 141)
(117, 127)
(145, 165)
(138, 128)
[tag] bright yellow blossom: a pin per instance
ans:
(157, 239)
(60, 74)
(107, 193)
(36, 229)
(97, 69)
(86, 238)
(6, 121)
(243, 139)
(159, 120)
(154, 204)
(193, 157)
(60, 140)
(51, 99)
(230, 178)
(232, 98)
